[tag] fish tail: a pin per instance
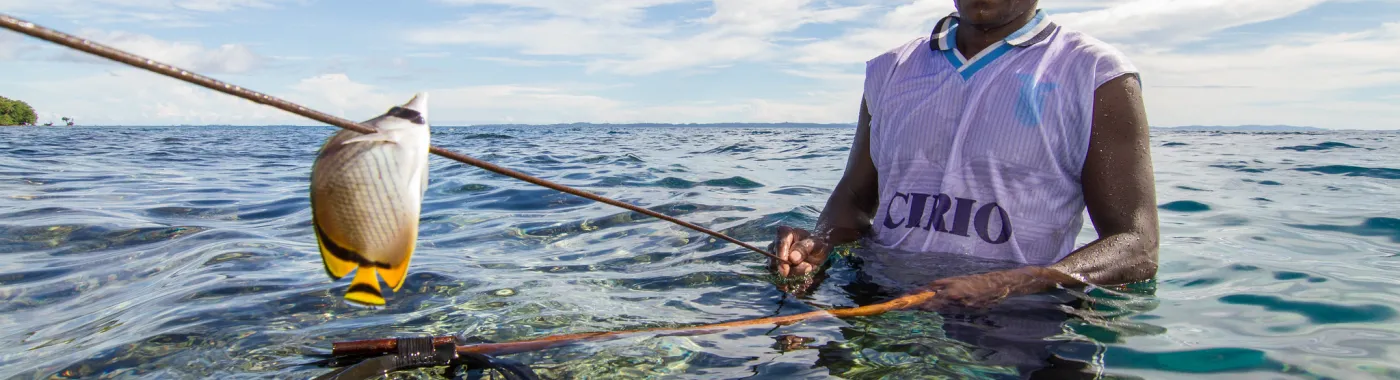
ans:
(394, 275)
(364, 289)
(333, 256)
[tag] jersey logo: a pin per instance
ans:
(1031, 100)
(931, 212)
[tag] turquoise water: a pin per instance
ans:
(187, 253)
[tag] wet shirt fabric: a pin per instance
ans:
(982, 156)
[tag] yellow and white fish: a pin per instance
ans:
(366, 195)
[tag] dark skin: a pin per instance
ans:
(1117, 180)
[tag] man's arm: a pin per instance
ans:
(852, 204)
(1119, 192)
(845, 217)
(1120, 195)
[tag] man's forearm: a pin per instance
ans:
(841, 221)
(1111, 260)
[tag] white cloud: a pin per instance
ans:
(147, 5)
(336, 94)
(434, 54)
(150, 13)
(826, 107)
(899, 25)
(1336, 62)
(1136, 21)
(1177, 21)
(12, 45)
(132, 97)
(226, 58)
(615, 10)
(531, 104)
(524, 62)
(699, 51)
(567, 36)
(769, 17)
(835, 78)
(1303, 81)
(617, 40)
(221, 5)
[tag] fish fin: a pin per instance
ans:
(419, 104)
(394, 275)
(364, 289)
(333, 255)
(381, 136)
(415, 111)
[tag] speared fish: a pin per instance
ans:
(366, 195)
(342, 266)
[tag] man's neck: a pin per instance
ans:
(973, 39)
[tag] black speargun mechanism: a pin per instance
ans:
(424, 352)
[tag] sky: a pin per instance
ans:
(1321, 63)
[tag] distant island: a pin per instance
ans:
(16, 112)
(1241, 128)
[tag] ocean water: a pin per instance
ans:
(188, 253)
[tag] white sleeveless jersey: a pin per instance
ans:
(982, 156)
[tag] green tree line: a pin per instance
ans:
(15, 112)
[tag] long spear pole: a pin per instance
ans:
(383, 346)
(151, 65)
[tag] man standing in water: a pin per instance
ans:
(988, 140)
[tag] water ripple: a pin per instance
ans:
(1354, 171)
(1319, 146)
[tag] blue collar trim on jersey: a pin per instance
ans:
(944, 39)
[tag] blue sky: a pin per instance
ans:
(1324, 63)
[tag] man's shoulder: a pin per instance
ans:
(1079, 42)
(882, 67)
(901, 52)
(1105, 60)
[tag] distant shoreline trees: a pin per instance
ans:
(16, 112)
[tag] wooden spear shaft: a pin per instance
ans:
(385, 346)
